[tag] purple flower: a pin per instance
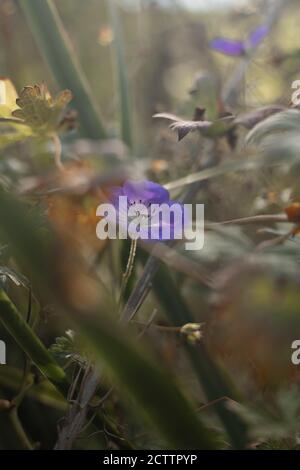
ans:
(147, 206)
(240, 48)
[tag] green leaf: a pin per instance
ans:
(69, 347)
(278, 419)
(15, 324)
(39, 111)
(12, 131)
(44, 392)
(8, 96)
(282, 122)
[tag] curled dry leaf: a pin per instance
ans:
(225, 124)
(184, 127)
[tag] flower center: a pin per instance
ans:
(136, 212)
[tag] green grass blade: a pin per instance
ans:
(15, 324)
(247, 164)
(124, 89)
(53, 41)
(211, 377)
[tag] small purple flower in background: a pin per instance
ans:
(240, 48)
(144, 207)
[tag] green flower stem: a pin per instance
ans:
(40, 356)
(30, 343)
(57, 152)
(43, 392)
(128, 271)
(15, 435)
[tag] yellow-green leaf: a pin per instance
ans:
(39, 110)
(8, 96)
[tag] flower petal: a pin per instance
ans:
(258, 35)
(146, 191)
(228, 46)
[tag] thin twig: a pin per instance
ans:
(214, 402)
(148, 324)
(275, 241)
(128, 271)
(255, 219)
